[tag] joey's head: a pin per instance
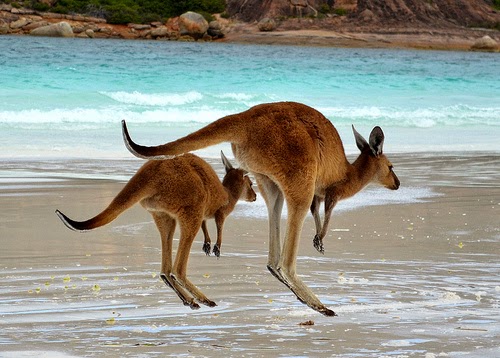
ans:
(372, 151)
(237, 181)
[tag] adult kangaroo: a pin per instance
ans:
(186, 190)
(295, 154)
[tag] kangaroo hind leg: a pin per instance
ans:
(166, 227)
(189, 225)
(298, 206)
(274, 201)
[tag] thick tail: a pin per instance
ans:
(130, 194)
(105, 217)
(222, 130)
(75, 225)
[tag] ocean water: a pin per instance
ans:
(62, 100)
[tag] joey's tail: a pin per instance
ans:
(128, 196)
(225, 129)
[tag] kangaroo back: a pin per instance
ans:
(134, 191)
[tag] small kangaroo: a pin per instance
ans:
(184, 190)
(364, 174)
(296, 155)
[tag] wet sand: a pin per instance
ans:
(418, 279)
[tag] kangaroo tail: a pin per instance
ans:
(128, 196)
(222, 130)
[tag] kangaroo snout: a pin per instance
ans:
(396, 184)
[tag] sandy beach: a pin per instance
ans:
(418, 279)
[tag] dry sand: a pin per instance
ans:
(418, 279)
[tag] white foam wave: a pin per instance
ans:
(154, 99)
(179, 109)
(457, 115)
(236, 96)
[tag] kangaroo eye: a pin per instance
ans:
(391, 167)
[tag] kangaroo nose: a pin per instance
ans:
(396, 184)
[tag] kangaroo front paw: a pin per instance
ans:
(318, 244)
(206, 248)
(216, 250)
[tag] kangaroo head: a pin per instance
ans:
(248, 192)
(383, 168)
(237, 180)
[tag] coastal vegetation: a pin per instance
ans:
(124, 11)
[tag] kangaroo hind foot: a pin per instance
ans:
(301, 291)
(193, 290)
(183, 295)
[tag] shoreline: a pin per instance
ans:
(461, 41)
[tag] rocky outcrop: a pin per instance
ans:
(255, 10)
(432, 13)
(440, 13)
(26, 21)
(61, 29)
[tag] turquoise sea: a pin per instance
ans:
(66, 97)
(62, 100)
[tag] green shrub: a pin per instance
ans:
(39, 6)
(324, 9)
(122, 14)
(340, 11)
(124, 11)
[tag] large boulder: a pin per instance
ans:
(485, 43)
(61, 29)
(192, 24)
(215, 29)
(266, 24)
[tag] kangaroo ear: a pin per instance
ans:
(227, 164)
(360, 141)
(376, 140)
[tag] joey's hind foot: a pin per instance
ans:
(318, 244)
(206, 248)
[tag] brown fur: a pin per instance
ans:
(184, 190)
(295, 154)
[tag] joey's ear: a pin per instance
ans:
(376, 140)
(226, 162)
(360, 141)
